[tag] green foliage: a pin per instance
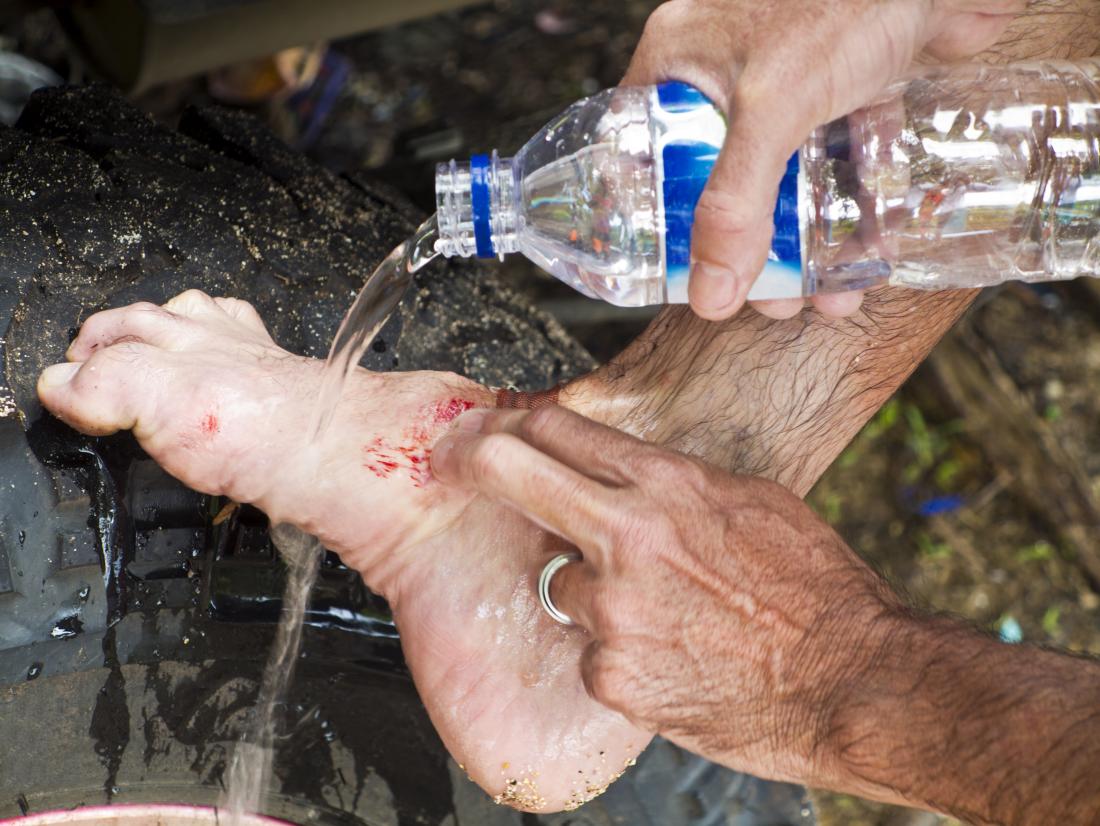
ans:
(1051, 620)
(831, 508)
(1036, 552)
(947, 472)
(931, 548)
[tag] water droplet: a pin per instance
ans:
(34, 671)
(84, 593)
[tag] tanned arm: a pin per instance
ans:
(935, 715)
(947, 719)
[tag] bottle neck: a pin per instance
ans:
(476, 208)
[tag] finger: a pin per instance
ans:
(779, 308)
(973, 28)
(102, 395)
(588, 447)
(508, 470)
(143, 322)
(732, 227)
(838, 305)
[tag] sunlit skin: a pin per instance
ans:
(220, 405)
(502, 682)
(725, 614)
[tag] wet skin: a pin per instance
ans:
(221, 406)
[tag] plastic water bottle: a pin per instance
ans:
(960, 176)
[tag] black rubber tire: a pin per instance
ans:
(133, 630)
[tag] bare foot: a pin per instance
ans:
(219, 405)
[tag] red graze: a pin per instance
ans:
(450, 410)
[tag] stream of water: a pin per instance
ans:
(250, 765)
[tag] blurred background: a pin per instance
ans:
(973, 489)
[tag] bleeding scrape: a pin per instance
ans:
(446, 412)
(384, 459)
(413, 455)
(210, 424)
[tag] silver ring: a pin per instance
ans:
(552, 567)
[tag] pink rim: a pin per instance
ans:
(153, 814)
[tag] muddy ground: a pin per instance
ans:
(976, 489)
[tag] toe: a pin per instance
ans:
(141, 322)
(102, 395)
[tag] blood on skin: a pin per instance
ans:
(210, 424)
(448, 411)
(383, 458)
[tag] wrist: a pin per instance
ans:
(857, 726)
(901, 730)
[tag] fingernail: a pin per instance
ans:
(472, 420)
(58, 374)
(720, 286)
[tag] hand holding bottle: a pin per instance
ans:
(778, 69)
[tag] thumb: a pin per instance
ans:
(772, 111)
(732, 229)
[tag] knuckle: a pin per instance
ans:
(189, 300)
(649, 465)
(123, 353)
(723, 212)
(752, 93)
(630, 530)
(667, 468)
(665, 18)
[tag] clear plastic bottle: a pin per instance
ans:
(961, 176)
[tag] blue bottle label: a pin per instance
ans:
(689, 133)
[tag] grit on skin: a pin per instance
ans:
(522, 791)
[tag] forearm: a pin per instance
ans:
(947, 719)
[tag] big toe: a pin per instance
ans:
(101, 395)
